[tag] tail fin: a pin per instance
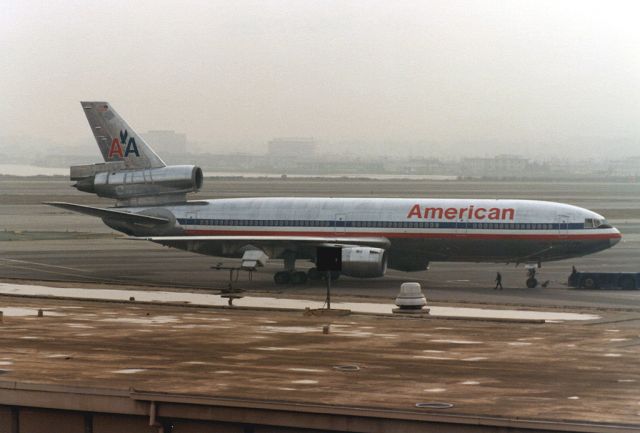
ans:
(116, 139)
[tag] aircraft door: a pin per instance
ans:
(191, 215)
(563, 224)
(461, 226)
(340, 223)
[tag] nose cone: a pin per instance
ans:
(615, 238)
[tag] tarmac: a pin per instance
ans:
(55, 245)
(89, 353)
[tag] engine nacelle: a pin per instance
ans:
(126, 184)
(364, 262)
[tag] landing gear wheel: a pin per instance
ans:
(298, 277)
(334, 276)
(532, 283)
(282, 277)
(314, 274)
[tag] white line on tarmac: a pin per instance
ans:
(266, 302)
(42, 264)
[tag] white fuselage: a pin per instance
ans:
(419, 230)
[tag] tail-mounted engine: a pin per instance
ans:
(364, 262)
(138, 187)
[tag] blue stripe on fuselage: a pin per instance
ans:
(379, 224)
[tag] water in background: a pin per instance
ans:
(31, 170)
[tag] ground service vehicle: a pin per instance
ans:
(605, 280)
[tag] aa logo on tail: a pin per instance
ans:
(116, 146)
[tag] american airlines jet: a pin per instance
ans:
(373, 233)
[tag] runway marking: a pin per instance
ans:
(436, 358)
(24, 312)
(90, 278)
(298, 304)
(43, 264)
(276, 348)
(129, 371)
(456, 341)
(87, 277)
(306, 370)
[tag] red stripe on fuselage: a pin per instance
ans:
(397, 235)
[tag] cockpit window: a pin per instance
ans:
(604, 224)
(594, 223)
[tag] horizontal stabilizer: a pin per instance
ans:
(309, 240)
(110, 214)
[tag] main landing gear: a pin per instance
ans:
(291, 276)
(301, 277)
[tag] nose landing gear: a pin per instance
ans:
(532, 282)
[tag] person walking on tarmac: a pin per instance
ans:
(498, 281)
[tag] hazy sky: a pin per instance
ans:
(424, 77)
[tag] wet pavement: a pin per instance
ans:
(574, 370)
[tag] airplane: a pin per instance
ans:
(373, 234)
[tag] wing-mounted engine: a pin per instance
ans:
(138, 187)
(364, 262)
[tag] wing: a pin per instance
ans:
(269, 241)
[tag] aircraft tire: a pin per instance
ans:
(298, 277)
(314, 275)
(334, 275)
(532, 283)
(282, 277)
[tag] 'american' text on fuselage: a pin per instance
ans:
(471, 212)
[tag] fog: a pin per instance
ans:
(442, 78)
